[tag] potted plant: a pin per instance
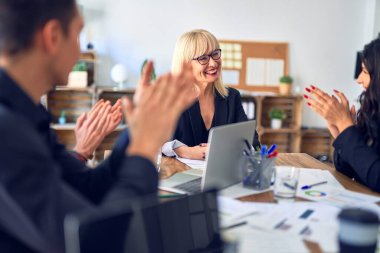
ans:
(78, 75)
(277, 116)
(285, 85)
(62, 118)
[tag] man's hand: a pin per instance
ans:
(152, 119)
(116, 117)
(92, 127)
(144, 83)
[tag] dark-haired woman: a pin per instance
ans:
(357, 147)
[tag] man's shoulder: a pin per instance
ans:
(11, 122)
(7, 116)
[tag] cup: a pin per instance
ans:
(257, 171)
(358, 229)
(286, 182)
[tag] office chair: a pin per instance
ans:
(187, 224)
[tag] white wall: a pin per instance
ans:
(376, 28)
(323, 35)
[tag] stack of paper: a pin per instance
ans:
(331, 193)
(194, 164)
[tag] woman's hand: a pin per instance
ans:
(333, 130)
(335, 111)
(196, 152)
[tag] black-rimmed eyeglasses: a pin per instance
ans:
(204, 59)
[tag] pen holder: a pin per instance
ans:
(258, 171)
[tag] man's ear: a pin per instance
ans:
(52, 36)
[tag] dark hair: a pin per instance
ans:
(369, 113)
(20, 19)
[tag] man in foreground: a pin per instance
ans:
(38, 177)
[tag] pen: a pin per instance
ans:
(234, 225)
(272, 148)
(248, 146)
(274, 154)
(263, 150)
(305, 187)
(246, 152)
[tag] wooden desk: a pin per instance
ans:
(170, 166)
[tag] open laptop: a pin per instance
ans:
(223, 161)
(103, 230)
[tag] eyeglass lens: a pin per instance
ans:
(215, 55)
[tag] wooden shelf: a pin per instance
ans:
(288, 138)
(69, 126)
(317, 142)
(75, 101)
(281, 130)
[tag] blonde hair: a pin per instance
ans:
(193, 44)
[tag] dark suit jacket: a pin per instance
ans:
(47, 182)
(191, 129)
(356, 159)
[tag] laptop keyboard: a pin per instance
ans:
(193, 186)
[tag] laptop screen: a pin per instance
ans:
(187, 224)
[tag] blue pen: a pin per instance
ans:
(263, 150)
(272, 148)
(305, 187)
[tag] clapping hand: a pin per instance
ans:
(154, 114)
(334, 109)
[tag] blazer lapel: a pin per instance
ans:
(221, 110)
(196, 122)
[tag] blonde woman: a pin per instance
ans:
(216, 104)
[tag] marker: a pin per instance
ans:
(274, 154)
(263, 150)
(272, 148)
(305, 187)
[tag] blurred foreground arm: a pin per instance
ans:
(158, 105)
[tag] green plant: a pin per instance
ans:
(80, 66)
(153, 76)
(276, 113)
(286, 79)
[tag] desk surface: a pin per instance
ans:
(170, 166)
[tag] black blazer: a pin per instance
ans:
(46, 182)
(191, 129)
(354, 157)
